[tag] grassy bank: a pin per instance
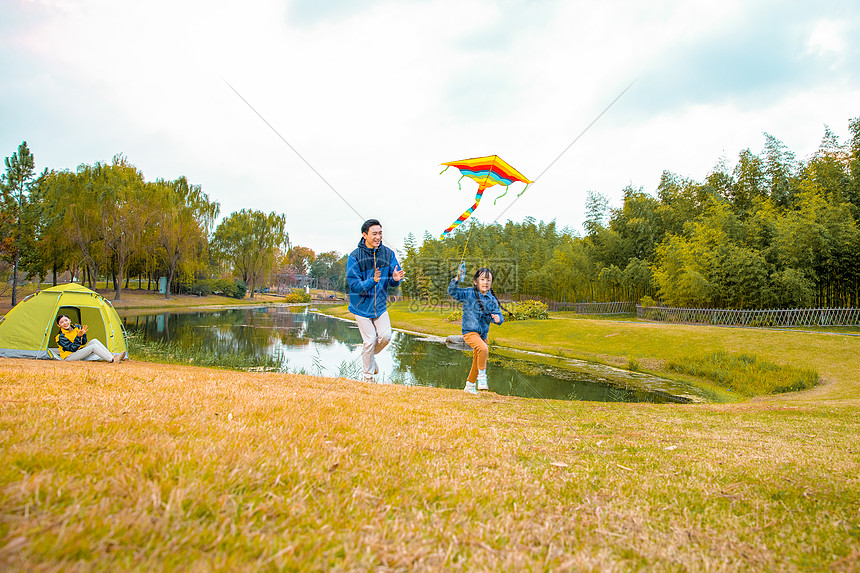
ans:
(144, 466)
(661, 349)
(195, 353)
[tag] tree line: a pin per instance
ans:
(772, 231)
(106, 220)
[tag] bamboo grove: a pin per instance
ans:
(105, 220)
(770, 232)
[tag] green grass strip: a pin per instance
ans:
(746, 374)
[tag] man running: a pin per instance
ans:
(370, 270)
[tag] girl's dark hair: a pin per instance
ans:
(368, 224)
(61, 316)
(479, 272)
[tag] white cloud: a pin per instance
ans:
(827, 38)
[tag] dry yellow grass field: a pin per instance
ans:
(144, 467)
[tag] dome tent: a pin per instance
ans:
(30, 329)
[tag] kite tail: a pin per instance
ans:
(503, 194)
(524, 189)
(466, 214)
(444, 170)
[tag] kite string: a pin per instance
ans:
(511, 204)
(468, 236)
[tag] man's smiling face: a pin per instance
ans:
(373, 237)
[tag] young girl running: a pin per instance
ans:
(480, 306)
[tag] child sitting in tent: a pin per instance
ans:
(73, 344)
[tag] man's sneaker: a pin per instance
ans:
(368, 379)
(482, 383)
(470, 388)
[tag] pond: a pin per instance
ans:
(299, 340)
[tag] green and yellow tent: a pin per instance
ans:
(30, 329)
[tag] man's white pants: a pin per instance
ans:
(375, 334)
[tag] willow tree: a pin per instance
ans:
(81, 217)
(183, 218)
(249, 241)
(125, 212)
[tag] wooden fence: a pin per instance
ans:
(771, 317)
(621, 307)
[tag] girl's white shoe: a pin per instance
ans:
(482, 383)
(470, 388)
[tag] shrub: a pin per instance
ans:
(227, 287)
(297, 295)
(202, 288)
(234, 289)
(527, 309)
(524, 310)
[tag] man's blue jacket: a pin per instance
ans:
(367, 297)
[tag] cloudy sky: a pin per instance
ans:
(361, 101)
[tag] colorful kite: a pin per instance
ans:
(487, 171)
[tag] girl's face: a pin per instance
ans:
(64, 322)
(484, 282)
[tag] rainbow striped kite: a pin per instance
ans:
(487, 171)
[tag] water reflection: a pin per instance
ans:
(317, 344)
